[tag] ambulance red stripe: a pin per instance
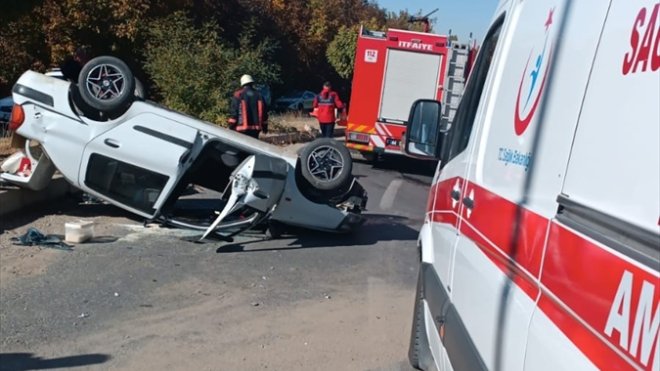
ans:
(604, 357)
(573, 269)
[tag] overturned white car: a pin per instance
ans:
(144, 158)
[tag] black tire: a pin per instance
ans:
(418, 351)
(274, 230)
(107, 84)
(326, 164)
(369, 157)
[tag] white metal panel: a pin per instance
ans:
(445, 235)
(615, 163)
(477, 289)
(408, 76)
(504, 155)
(548, 349)
(154, 150)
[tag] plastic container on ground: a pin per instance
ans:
(79, 231)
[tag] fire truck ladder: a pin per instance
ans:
(454, 82)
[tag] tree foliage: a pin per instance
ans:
(341, 51)
(209, 45)
(195, 71)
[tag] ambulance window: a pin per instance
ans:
(459, 135)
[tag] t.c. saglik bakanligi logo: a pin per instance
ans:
(533, 79)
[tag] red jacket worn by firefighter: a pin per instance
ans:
(248, 110)
(325, 104)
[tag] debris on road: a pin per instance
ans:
(79, 231)
(33, 237)
(83, 315)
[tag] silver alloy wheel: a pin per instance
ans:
(325, 163)
(105, 82)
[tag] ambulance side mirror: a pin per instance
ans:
(424, 130)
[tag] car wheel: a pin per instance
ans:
(326, 164)
(107, 84)
(274, 230)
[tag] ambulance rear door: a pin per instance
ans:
(603, 252)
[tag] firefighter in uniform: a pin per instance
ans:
(248, 112)
(325, 104)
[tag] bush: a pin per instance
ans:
(195, 71)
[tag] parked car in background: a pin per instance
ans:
(264, 90)
(5, 112)
(295, 101)
(135, 154)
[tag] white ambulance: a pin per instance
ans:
(541, 244)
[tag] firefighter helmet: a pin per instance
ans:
(246, 79)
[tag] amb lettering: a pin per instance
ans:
(645, 321)
(644, 42)
(415, 45)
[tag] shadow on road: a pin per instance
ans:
(71, 205)
(378, 227)
(402, 164)
(28, 361)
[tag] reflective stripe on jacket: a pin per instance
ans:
(248, 110)
(326, 106)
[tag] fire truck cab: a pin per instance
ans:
(541, 243)
(393, 69)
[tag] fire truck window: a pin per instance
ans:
(459, 135)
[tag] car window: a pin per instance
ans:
(125, 183)
(459, 135)
(309, 95)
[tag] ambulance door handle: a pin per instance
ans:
(456, 195)
(468, 202)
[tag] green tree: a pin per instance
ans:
(195, 71)
(341, 51)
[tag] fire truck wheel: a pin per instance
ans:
(368, 156)
(107, 84)
(326, 164)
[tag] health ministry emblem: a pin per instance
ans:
(533, 79)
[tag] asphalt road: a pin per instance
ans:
(145, 298)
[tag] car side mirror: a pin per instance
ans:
(424, 129)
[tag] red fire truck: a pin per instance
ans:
(392, 70)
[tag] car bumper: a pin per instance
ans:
(351, 222)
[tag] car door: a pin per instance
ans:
(443, 211)
(488, 288)
(138, 162)
(602, 260)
